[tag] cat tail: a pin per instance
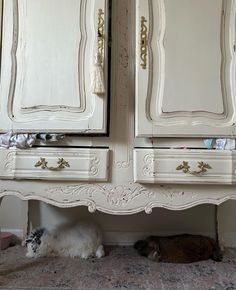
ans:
(217, 254)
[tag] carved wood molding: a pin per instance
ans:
(149, 169)
(119, 199)
(123, 84)
(116, 195)
(10, 161)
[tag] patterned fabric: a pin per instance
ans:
(22, 141)
(10, 139)
(44, 137)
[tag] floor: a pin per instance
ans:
(122, 268)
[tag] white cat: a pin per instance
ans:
(82, 240)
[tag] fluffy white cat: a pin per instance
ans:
(82, 240)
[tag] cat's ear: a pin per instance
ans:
(139, 245)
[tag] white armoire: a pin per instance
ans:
(169, 71)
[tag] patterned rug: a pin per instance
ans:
(122, 268)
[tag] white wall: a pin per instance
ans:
(13, 216)
(227, 223)
(10, 213)
(125, 229)
(197, 219)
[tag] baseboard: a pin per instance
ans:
(228, 240)
(129, 238)
(16, 232)
(122, 238)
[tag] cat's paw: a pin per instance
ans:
(30, 255)
(100, 252)
(85, 256)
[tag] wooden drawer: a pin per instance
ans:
(184, 166)
(85, 164)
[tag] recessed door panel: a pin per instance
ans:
(185, 68)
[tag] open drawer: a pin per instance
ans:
(85, 164)
(184, 166)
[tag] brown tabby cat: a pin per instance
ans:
(179, 249)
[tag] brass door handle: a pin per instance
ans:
(97, 78)
(185, 167)
(61, 164)
(143, 43)
(101, 34)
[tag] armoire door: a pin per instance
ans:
(48, 64)
(185, 68)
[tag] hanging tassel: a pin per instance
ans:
(98, 83)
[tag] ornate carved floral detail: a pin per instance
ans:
(173, 194)
(149, 169)
(118, 195)
(123, 164)
(73, 190)
(10, 158)
(54, 201)
(161, 196)
(121, 195)
(170, 194)
(94, 163)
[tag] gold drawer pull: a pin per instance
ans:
(44, 164)
(203, 167)
(143, 43)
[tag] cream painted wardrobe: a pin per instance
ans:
(169, 70)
